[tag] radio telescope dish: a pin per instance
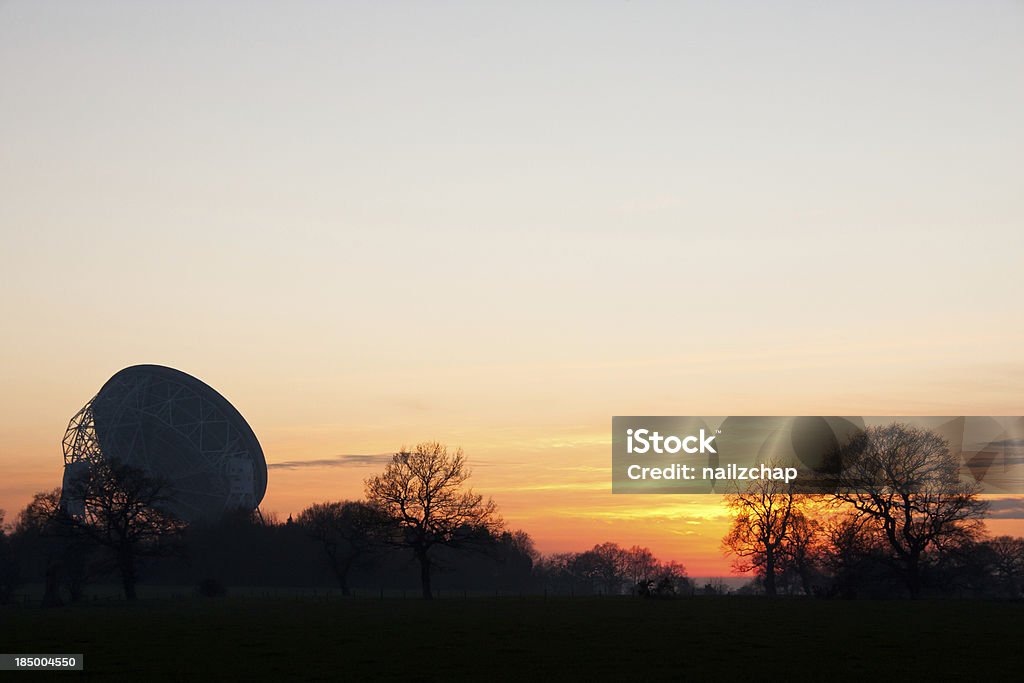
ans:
(176, 429)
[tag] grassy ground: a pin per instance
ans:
(526, 639)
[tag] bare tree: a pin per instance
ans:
(348, 532)
(762, 524)
(556, 572)
(522, 543)
(9, 571)
(122, 513)
(40, 513)
(800, 551)
(605, 566)
(422, 492)
(1008, 562)
(44, 529)
(848, 549)
(640, 564)
(906, 482)
(663, 580)
(671, 579)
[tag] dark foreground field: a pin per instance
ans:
(526, 639)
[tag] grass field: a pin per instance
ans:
(526, 639)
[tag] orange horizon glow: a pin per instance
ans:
(555, 485)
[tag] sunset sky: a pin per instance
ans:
(497, 225)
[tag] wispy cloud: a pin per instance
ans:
(348, 460)
(557, 486)
(1006, 508)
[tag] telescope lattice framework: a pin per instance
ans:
(176, 429)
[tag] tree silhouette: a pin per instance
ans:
(672, 578)
(122, 514)
(522, 543)
(905, 481)
(801, 551)
(44, 531)
(9, 570)
(605, 567)
(763, 516)
(347, 531)
(662, 580)
(1008, 561)
(421, 491)
(640, 565)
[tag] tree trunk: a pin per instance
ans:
(913, 577)
(341, 571)
(76, 572)
(805, 579)
(769, 573)
(126, 564)
(424, 561)
(51, 594)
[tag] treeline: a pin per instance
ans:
(246, 552)
(608, 569)
(846, 557)
(420, 526)
(900, 522)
